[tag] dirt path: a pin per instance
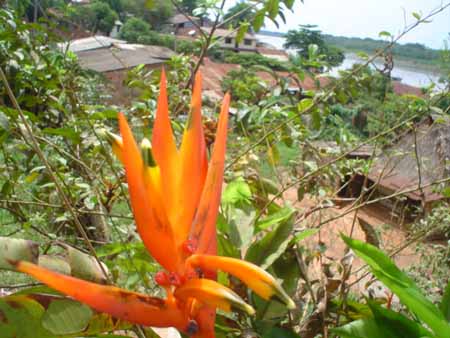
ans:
(390, 235)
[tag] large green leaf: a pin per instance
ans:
(396, 324)
(404, 287)
(361, 328)
(384, 324)
(20, 316)
(32, 315)
(66, 317)
(274, 218)
(265, 251)
(444, 306)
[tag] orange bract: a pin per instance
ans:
(175, 196)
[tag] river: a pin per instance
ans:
(408, 74)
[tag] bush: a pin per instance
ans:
(134, 29)
(248, 60)
(244, 85)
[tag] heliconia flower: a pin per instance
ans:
(175, 196)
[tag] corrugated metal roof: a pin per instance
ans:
(90, 43)
(181, 18)
(123, 56)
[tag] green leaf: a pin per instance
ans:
(304, 235)
(20, 316)
(304, 105)
(4, 121)
(362, 328)
(385, 323)
(276, 332)
(444, 306)
(258, 21)
(275, 218)
(243, 28)
(273, 7)
(404, 287)
(416, 15)
(237, 192)
(65, 132)
(316, 119)
(265, 251)
(66, 317)
(17, 250)
(289, 3)
(385, 34)
(397, 325)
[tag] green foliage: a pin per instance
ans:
(239, 13)
(369, 45)
(404, 287)
(189, 5)
(97, 16)
(156, 14)
(307, 36)
(134, 30)
(249, 60)
(29, 315)
(244, 85)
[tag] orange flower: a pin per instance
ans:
(175, 196)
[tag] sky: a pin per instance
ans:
(366, 18)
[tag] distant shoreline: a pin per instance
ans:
(420, 57)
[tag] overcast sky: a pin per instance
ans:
(366, 18)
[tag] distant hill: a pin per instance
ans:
(270, 33)
(409, 51)
(415, 51)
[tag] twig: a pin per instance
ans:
(53, 176)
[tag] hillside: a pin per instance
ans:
(413, 52)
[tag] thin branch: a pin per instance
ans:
(326, 94)
(50, 171)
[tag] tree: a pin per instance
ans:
(189, 5)
(156, 15)
(97, 16)
(104, 17)
(134, 29)
(308, 35)
(241, 12)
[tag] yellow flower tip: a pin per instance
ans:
(248, 309)
(281, 296)
(291, 304)
(112, 138)
(147, 154)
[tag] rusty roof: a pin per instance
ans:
(213, 74)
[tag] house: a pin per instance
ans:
(397, 169)
(227, 40)
(114, 58)
(90, 43)
(181, 22)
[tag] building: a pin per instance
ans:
(180, 22)
(114, 58)
(397, 169)
(227, 40)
